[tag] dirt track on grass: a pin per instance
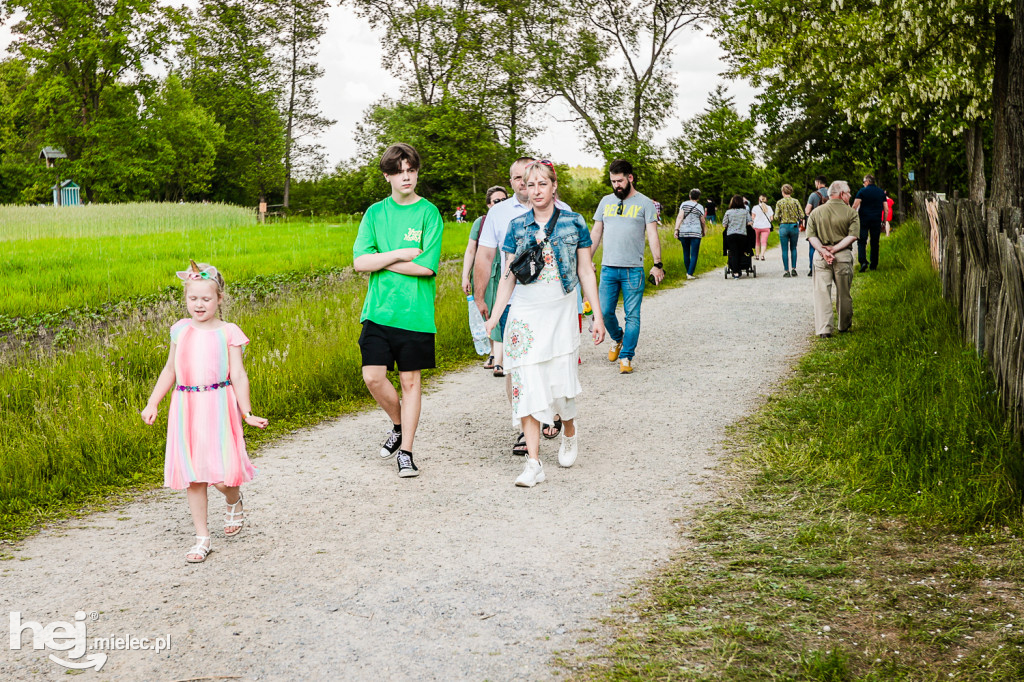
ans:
(347, 572)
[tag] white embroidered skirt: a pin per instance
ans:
(542, 349)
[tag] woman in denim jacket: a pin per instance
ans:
(542, 338)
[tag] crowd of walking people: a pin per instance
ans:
(528, 266)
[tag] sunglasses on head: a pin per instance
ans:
(549, 164)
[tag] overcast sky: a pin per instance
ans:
(354, 79)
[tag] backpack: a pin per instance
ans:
(823, 192)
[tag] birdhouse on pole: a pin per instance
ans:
(50, 155)
(65, 192)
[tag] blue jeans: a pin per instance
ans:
(810, 255)
(691, 249)
(630, 282)
(789, 235)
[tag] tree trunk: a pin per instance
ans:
(899, 173)
(513, 99)
(1015, 109)
(975, 143)
(1002, 175)
(290, 130)
(922, 177)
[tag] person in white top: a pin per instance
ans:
(762, 215)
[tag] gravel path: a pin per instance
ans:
(456, 575)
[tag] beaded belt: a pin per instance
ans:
(199, 389)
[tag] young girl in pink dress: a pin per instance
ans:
(209, 401)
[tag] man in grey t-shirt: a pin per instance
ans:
(624, 219)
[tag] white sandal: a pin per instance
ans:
(234, 518)
(201, 548)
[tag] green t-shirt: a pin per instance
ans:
(394, 299)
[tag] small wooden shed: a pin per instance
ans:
(67, 193)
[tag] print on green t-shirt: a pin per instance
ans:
(394, 299)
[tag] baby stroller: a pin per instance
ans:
(744, 257)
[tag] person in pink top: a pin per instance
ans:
(887, 213)
(210, 399)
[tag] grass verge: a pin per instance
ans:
(873, 531)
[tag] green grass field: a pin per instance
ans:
(91, 262)
(71, 434)
(98, 220)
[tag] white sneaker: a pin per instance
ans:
(532, 474)
(569, 449)
(689, 276)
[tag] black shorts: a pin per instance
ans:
(383, 345)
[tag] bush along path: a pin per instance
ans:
(872, 530)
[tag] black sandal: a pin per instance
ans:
(557, 426)
(499, 371)
(520, 445)
(490, 363)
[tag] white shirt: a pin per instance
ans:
(762, 218)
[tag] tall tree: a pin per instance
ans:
(430, 42)
(185, 140)
(718, 145)
(229, 66)
(609, 62)
(302, 26)
(461, 152)
(20, 134)
(86, 54)
(929, 64)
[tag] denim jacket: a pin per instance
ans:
(570, 233)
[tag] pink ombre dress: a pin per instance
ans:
(204, 428)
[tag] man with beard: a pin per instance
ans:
(623, 218)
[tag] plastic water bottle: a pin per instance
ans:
(477, 328)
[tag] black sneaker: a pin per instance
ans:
(391, 444)
(810, 273)
(863, 267)
(406, 467)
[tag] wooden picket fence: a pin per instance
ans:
(979, 254)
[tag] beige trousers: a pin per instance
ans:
(840, 273)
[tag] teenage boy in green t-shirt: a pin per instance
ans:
(399, 244)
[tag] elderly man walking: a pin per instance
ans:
(831, 230)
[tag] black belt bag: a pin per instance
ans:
(526, 266)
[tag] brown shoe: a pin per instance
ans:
(613, 354)
(625, 366)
